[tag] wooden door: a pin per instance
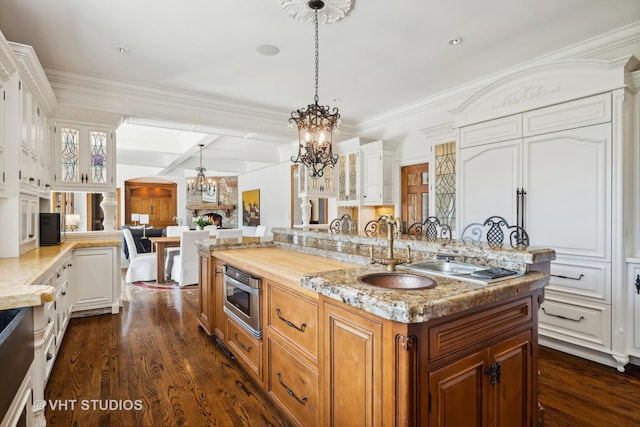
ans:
(158, 200)
(415, 193)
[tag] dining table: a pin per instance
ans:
(159, 246)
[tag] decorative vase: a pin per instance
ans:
(199, 227)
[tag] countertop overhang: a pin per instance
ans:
(18, 283)
(315, 275)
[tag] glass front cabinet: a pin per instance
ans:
(85, 158)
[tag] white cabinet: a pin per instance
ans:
(84, 157)
(634, 305)
(3, 170)
(28, 222)
(96, 279)
(377, 173)
(348, 172)
(566, 138)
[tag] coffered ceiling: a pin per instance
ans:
(383, 55)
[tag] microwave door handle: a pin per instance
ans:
(242, 286)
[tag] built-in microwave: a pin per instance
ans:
(242, 299)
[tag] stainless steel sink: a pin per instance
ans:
(444, 267)
(394, 280)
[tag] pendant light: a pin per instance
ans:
(201, 184)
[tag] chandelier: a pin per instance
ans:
(201, 184)
(316, 123)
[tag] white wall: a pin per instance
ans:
(274, 184)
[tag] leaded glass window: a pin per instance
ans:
(70, 154)
(445, 185)
(99, 156)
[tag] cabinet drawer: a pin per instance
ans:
(588, 280)
(455, 335)
(585, 324)
(569, 115)
(295, 318)
(492, 131)
(292, 383)
(245, 347)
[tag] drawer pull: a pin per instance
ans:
(301, 328)
(242, 346)
(559, 316)
(290, 392)
(49, 356)
(638, 284)
(560, 276)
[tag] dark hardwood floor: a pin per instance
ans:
(154, 356)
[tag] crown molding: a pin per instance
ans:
(8, 64)
(439, 134)
(31, 71)
(591, 48)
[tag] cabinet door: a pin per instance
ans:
(457, 393)
(489, 178)
(352, 368)
(567, 177)
(205, 296)
(94, 281)
(372, 185)
(510, 399)
(634, 292)
(3, 131)
(348, 181)
(28, 222)
(85, 159)
(219, 316)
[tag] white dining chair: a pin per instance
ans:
(213, 229)
(141, 266)
(230, 233)
(170, 253)
(185, 264)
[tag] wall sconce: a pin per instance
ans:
(144, 220)
(135, 218)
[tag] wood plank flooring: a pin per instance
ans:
(154, 355)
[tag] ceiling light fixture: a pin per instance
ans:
(201, 184)
(316, 123)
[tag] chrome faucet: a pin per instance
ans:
(390, 261)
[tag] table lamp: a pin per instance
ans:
(135, 218)
(144, 220)
(72, 221)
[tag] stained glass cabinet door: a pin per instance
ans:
(85, 158)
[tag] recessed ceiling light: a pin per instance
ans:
(268, 49)
(123, 50)
(455, 41)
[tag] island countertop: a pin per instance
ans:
(337, 280)
(20, 276)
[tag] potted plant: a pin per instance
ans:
(201, 222)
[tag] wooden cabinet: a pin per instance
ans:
(158, 200)
(246, 348)
(206, 301)
(292, 345)
(487, 388)
(84, 157)
(211, 317)
(377, 173)
(96, 279)
(353, 367)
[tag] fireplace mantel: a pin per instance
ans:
(211, 207)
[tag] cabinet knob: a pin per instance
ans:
(638, 284)
(49, 356)
(64, 293)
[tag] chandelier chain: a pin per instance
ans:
(317, 55)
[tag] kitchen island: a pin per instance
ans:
(337, 352)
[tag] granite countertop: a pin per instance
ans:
(316, 275)
(20, 276)
(450, 296)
